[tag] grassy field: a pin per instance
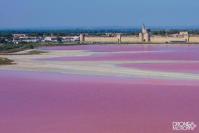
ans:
(5, 61)
(11, 48)
(35, 52)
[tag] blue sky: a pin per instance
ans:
(94, 13)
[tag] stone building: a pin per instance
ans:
(82, 37)
(185, 35)
(145, 35)
(119, 38)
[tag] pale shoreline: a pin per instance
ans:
(106, 68)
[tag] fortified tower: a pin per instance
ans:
(119, 38)
(185, 35)
(145, 35)
(82, 38)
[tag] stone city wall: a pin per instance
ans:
(136, 39)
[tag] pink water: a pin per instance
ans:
(167, 67)
(48, 103)
(125, 47)
(157, 52)
(103, 48)
(133, 56)
(35, 102)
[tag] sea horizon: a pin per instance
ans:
(96, 29)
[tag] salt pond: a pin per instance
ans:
(100, 89)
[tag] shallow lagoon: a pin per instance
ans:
(49, 102)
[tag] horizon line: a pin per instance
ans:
(98, 27)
